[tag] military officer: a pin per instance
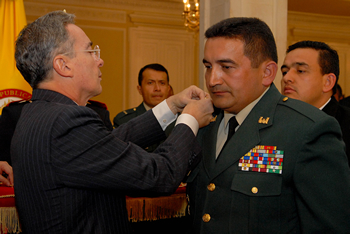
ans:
(154, 87)
(270, 164)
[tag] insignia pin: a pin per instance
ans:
(264, 121)
(213, 119)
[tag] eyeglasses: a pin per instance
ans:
(96, 52)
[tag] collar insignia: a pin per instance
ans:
(263, 120)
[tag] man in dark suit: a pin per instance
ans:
(284, 170)
(338, 94)
(71, 172)
(154, 88)
(345, 101)
(310, 74)
(8, 121)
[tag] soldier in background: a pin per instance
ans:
(154, 87)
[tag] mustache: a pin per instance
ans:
(219, 89)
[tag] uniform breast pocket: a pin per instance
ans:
(257, 184)
(256, 202)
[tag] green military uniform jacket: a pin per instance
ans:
(300, 185)
(129, 114)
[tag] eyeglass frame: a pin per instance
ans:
(96, 51)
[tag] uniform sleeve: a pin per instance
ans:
(322, 181)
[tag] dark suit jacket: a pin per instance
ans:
(72, 173)
(102, 111)
(12, 112)
(311, 195)
(8, 122)
(345, 102)
(129, 114)
(342, 114)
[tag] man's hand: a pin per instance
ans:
(5, 168)
(178, 101)
(201, 110)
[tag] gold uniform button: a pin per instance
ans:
(211, 187)
(285, 99)
(206, 218)
(255, 190)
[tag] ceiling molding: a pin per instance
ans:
(329, 35)
(82, 13)
(326, 20)
(167, 6)
(303, 26)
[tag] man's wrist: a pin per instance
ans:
(190, 121)
(164, 114)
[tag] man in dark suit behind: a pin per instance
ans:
(284, 170)
(310, 74)
(12, 112)
(71, 172)
(8, 122)
(154, 88)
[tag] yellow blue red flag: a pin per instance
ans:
(12, 20)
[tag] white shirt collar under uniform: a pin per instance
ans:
(240, 117)
(321, 108)
(146, 106)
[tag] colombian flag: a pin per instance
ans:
(12, 21)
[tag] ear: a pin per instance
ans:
(139, 89)
(270, 70)
(62, 66)
(328, 82)
(168, 88)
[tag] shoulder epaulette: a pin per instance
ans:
(125, 116)
(128, 111)
(303, 108)
(125, 113)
